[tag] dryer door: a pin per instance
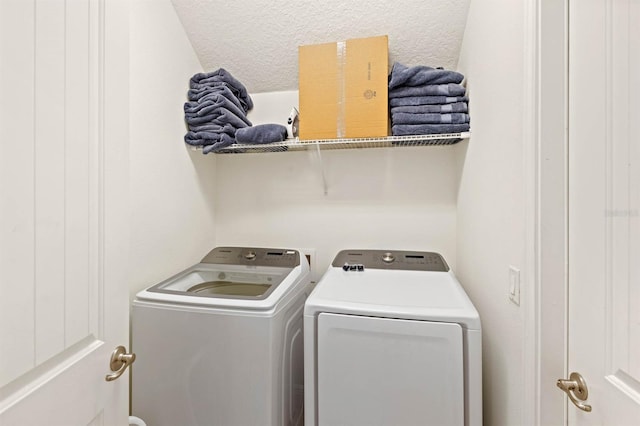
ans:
(381, 371)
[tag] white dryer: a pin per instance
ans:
(391, 338)
(221, 343)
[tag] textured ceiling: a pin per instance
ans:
(257, 41)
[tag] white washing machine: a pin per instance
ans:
(221, 343)
(391, 338)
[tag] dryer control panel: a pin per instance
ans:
(390, 259)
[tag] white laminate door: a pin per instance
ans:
(604, 209)
(63, 200)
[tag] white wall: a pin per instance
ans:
(172, 187)
(397, 198)
(491, 205)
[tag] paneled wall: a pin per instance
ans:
(48, 170)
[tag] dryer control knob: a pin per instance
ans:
(388, 257)
(250, 255)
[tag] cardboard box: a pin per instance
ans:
(343, 89)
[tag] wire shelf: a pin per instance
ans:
(356, 143)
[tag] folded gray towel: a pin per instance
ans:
(262, 133)
(450, 89)
(408, 118)
(219, 75)
(214, 128)
(427, 100)
(220, 116)
(197, 94)
(220, 91)
(421, 75)
(207, 138)
(427, 129)
(432, 109)
(204, 80)
(213, 95)
(217, 146)
(211, 104)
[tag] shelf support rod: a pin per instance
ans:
(322, 174)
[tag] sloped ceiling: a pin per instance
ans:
(257, 41)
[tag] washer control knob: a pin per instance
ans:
(388, 257)
(250, 255)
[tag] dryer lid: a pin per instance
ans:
(420, 295)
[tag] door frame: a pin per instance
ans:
(545, 138)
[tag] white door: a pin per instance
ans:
(63, 186)
(604, 209)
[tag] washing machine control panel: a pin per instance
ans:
(359, 260)
(281, 258)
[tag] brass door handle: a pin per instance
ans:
(120, 360)
(576, 388)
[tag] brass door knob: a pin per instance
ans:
(120, 360)
(576, 388)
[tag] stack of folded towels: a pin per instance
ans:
(217, 108)
(217, 114)
(425, 100)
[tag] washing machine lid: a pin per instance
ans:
(234, 277)
(206, 280)
(425, 289)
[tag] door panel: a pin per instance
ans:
(17, 205)
(49, 186)
(604, 188)
(73, 373)
(63, 171)
(45, 184)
